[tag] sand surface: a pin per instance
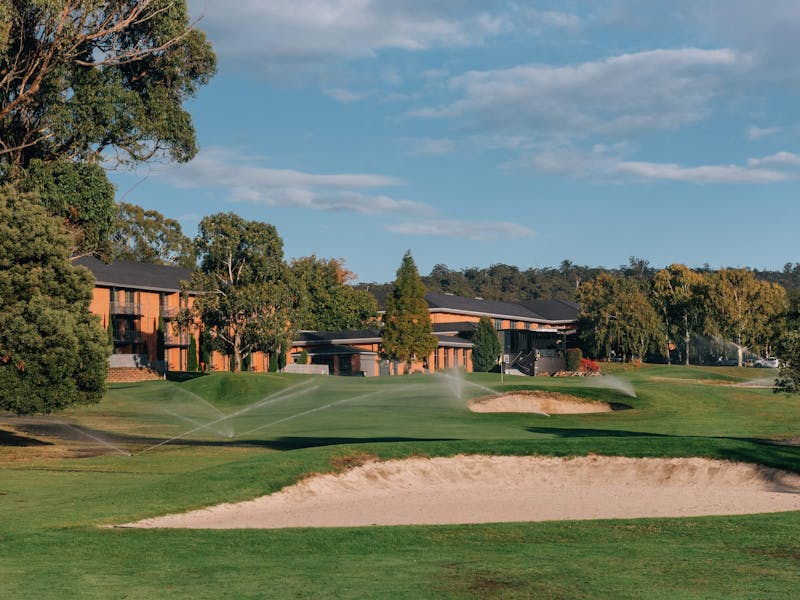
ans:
(547, 403)
(482, 489)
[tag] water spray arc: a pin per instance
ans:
(279, 397)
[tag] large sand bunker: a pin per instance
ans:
(543, 403)
(482, 489)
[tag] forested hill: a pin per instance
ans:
(510, 283)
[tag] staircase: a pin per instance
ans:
(132, 375)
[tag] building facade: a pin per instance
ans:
(137, 304)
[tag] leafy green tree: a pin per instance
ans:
(788, 379)
(616, 315)
(680, 296)
(407, 332)
(84, 80)
(485, 346)
(53, 351)
(247, 295)
(742, 308)
(147, 236)
(330, 303)
(81, 195)
(303, 358)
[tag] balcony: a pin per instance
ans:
(126, 308)
(168, 312)
(176, 339)
(127, 337)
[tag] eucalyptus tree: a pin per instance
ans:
(617, 316)
(680, 296)
(742, 309)
(147, 236)
(331, 304)
(246, 295)
(85, 83)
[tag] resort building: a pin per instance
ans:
(137, 304)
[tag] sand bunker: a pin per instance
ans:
(483, 489)
(543, 403)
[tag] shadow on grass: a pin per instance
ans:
(12, 438)
(104, 442)
(578, 432)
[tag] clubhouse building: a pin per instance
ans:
(138, 303)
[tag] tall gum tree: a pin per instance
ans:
(407, 333)
(246, 294)
(742, 308)
(680, 295)
(85, 83)
(331, 304)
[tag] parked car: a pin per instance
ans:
(768, 362)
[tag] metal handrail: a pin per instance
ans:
(126, 308)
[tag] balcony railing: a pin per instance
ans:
(126, 308)
(169, 312)
(176, 339)
(127, 337)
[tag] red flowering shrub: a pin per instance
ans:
(590, 366)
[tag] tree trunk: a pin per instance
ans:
(237, 353)
(686, 341)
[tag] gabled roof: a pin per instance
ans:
(540, 311)
(353, 336)
(135, 275)
(553, 310)
(456, 327)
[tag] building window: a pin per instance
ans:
(498, 324)
(527, 326)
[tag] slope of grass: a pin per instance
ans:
(288, 426)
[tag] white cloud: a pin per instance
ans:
(280, 36)
(602, 164)
(478, 231)
(429, 146)
(779, 159)
(658, 89)
(346, 96)
(702, 174)
(551, 19)
(246, 181)
(767, 31)
(756, 133)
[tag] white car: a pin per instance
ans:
(769, 362)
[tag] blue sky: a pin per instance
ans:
(478, 132)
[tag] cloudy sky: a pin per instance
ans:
(478, 132)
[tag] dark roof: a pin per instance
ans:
(453, 340)
(553, 310)
(478, 306)
(135, 275)
(329, 337)
(337, 349)
(460, 326)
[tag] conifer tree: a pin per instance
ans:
(485, 347)
(407, 332)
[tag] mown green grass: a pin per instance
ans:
(52, 546)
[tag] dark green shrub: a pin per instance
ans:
(574, 356)
(191, 359)
(303, 358)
